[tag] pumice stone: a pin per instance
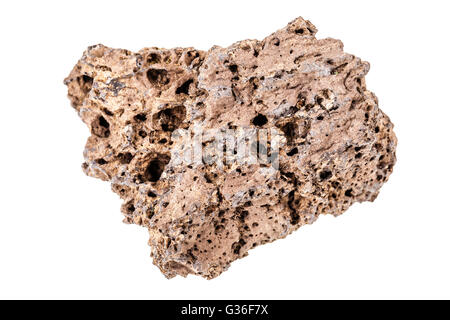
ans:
(216, 152)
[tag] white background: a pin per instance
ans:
(61, 234)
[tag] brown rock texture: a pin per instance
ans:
(337, 147)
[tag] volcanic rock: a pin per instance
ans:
(327, 142)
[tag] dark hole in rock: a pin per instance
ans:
(139, 179)
(208, 178)
(140, 117)
(103, 122)
(154, 170)
(238, 245)
(242, 215)
(158, 77)
(289, 130)
(233, 68)
(100, 127)
(151, 194)
(85, 83)
(292, 203)
(259, 120)
(348, 193)
(156, 167)
(325, 174)
(125, 158)
(153, 58)
(292, 152)
(292, 110)
(170, 119)
(87, 79)
(184, 88)
(319, 100)
(142, 133)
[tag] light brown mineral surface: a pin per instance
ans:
(336, 148)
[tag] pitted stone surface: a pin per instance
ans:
(337, 146)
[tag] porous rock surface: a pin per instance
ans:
(337, 148)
